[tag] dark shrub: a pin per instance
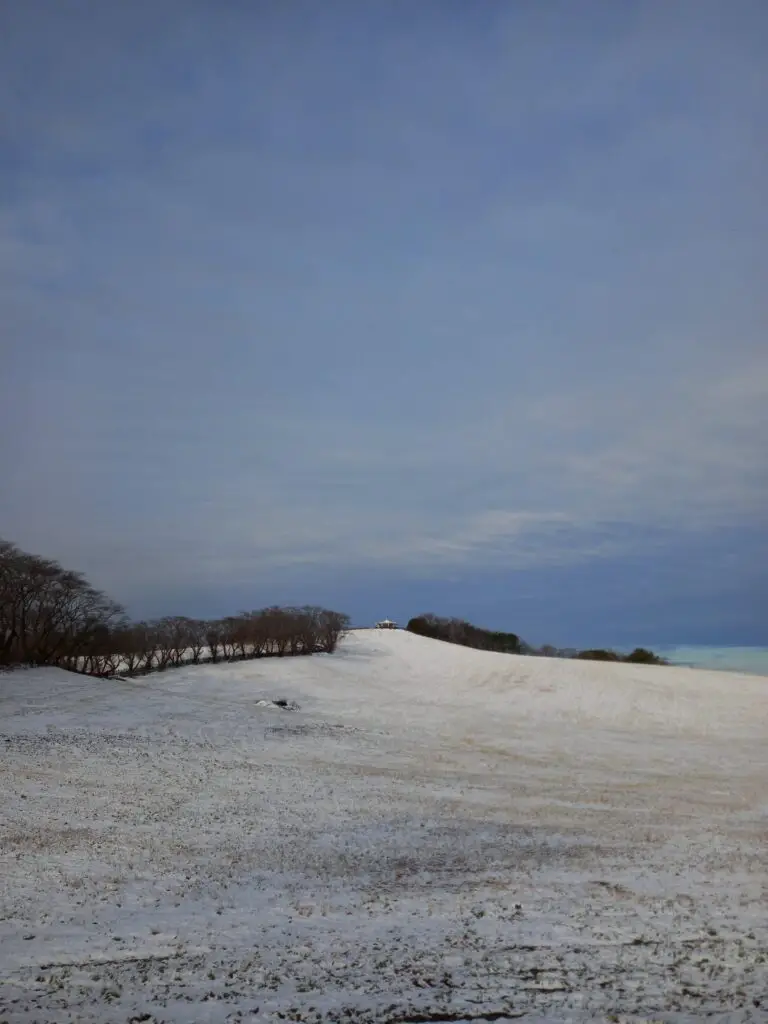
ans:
(457, 631)
(598, 655)
(641, 656)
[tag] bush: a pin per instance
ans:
(457, 631)
(426, 625)
(641, 656)
(597, 654)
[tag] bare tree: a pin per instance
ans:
(332, 627)
(53, 616)
(49, 615)
(163, 631)
(240, 635)
(279, 628)
(146, 643)
(258, 632)
(127, 644)
(214, 638)
(228, 636)
(197, 631)
(179, 634)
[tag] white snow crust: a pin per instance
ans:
(436, 834)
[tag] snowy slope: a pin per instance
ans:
(436, 832)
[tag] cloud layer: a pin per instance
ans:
(425, 288)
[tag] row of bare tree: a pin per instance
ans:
(53, 616)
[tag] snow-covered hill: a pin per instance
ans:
(435, 832)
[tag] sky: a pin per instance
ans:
(392, 307)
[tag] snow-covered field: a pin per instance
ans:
(437, 834)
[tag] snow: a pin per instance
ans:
(425, 832)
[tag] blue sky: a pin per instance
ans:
(392, 306)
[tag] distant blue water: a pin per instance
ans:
(728, 659)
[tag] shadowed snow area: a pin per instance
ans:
(435, 834)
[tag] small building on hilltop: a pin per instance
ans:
(386, 624)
